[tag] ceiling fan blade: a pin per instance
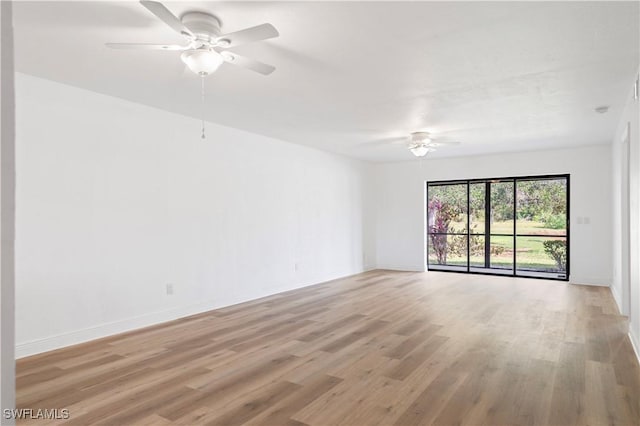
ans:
(145, 46)
(260, 32)
(167, 17)
(399, 141)
(251, 64)
(443, 143)
(385, 142)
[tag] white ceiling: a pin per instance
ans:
(498, 76)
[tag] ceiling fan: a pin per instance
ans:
(206, 45)
(420, 143)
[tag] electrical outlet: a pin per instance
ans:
(296, 266)
(169, 289)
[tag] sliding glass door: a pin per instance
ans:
(506, 226)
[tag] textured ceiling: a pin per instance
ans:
(497, 77)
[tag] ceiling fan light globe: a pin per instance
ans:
(202, 61)
(419, 150)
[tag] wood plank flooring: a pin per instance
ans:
(379, 348)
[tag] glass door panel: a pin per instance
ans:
(447, 226)
(542, 227)
(477, 201)
(448, 209)
(477, 251)
(502, 208)
(542, 207)
(448, 250)
(501, 226)
(501, 253)
(541, 256)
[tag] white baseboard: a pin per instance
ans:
(75, 337)
(108, 329)
(635, 343)
(617, 299)
(598, 282)
(404, 268)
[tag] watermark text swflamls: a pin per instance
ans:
(36, 414)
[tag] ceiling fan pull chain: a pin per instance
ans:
(202, 80)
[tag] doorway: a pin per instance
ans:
(515, 226)
(625, 224)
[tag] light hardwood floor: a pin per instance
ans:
(379, 348)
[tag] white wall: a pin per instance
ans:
(115, 200)
(626, 244)
(7, 214)
(401, 203)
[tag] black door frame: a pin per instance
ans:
(487, 239)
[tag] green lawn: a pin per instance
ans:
(506, 227)
(529, 255)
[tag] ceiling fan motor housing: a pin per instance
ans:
(420, 137)
(206, 27)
